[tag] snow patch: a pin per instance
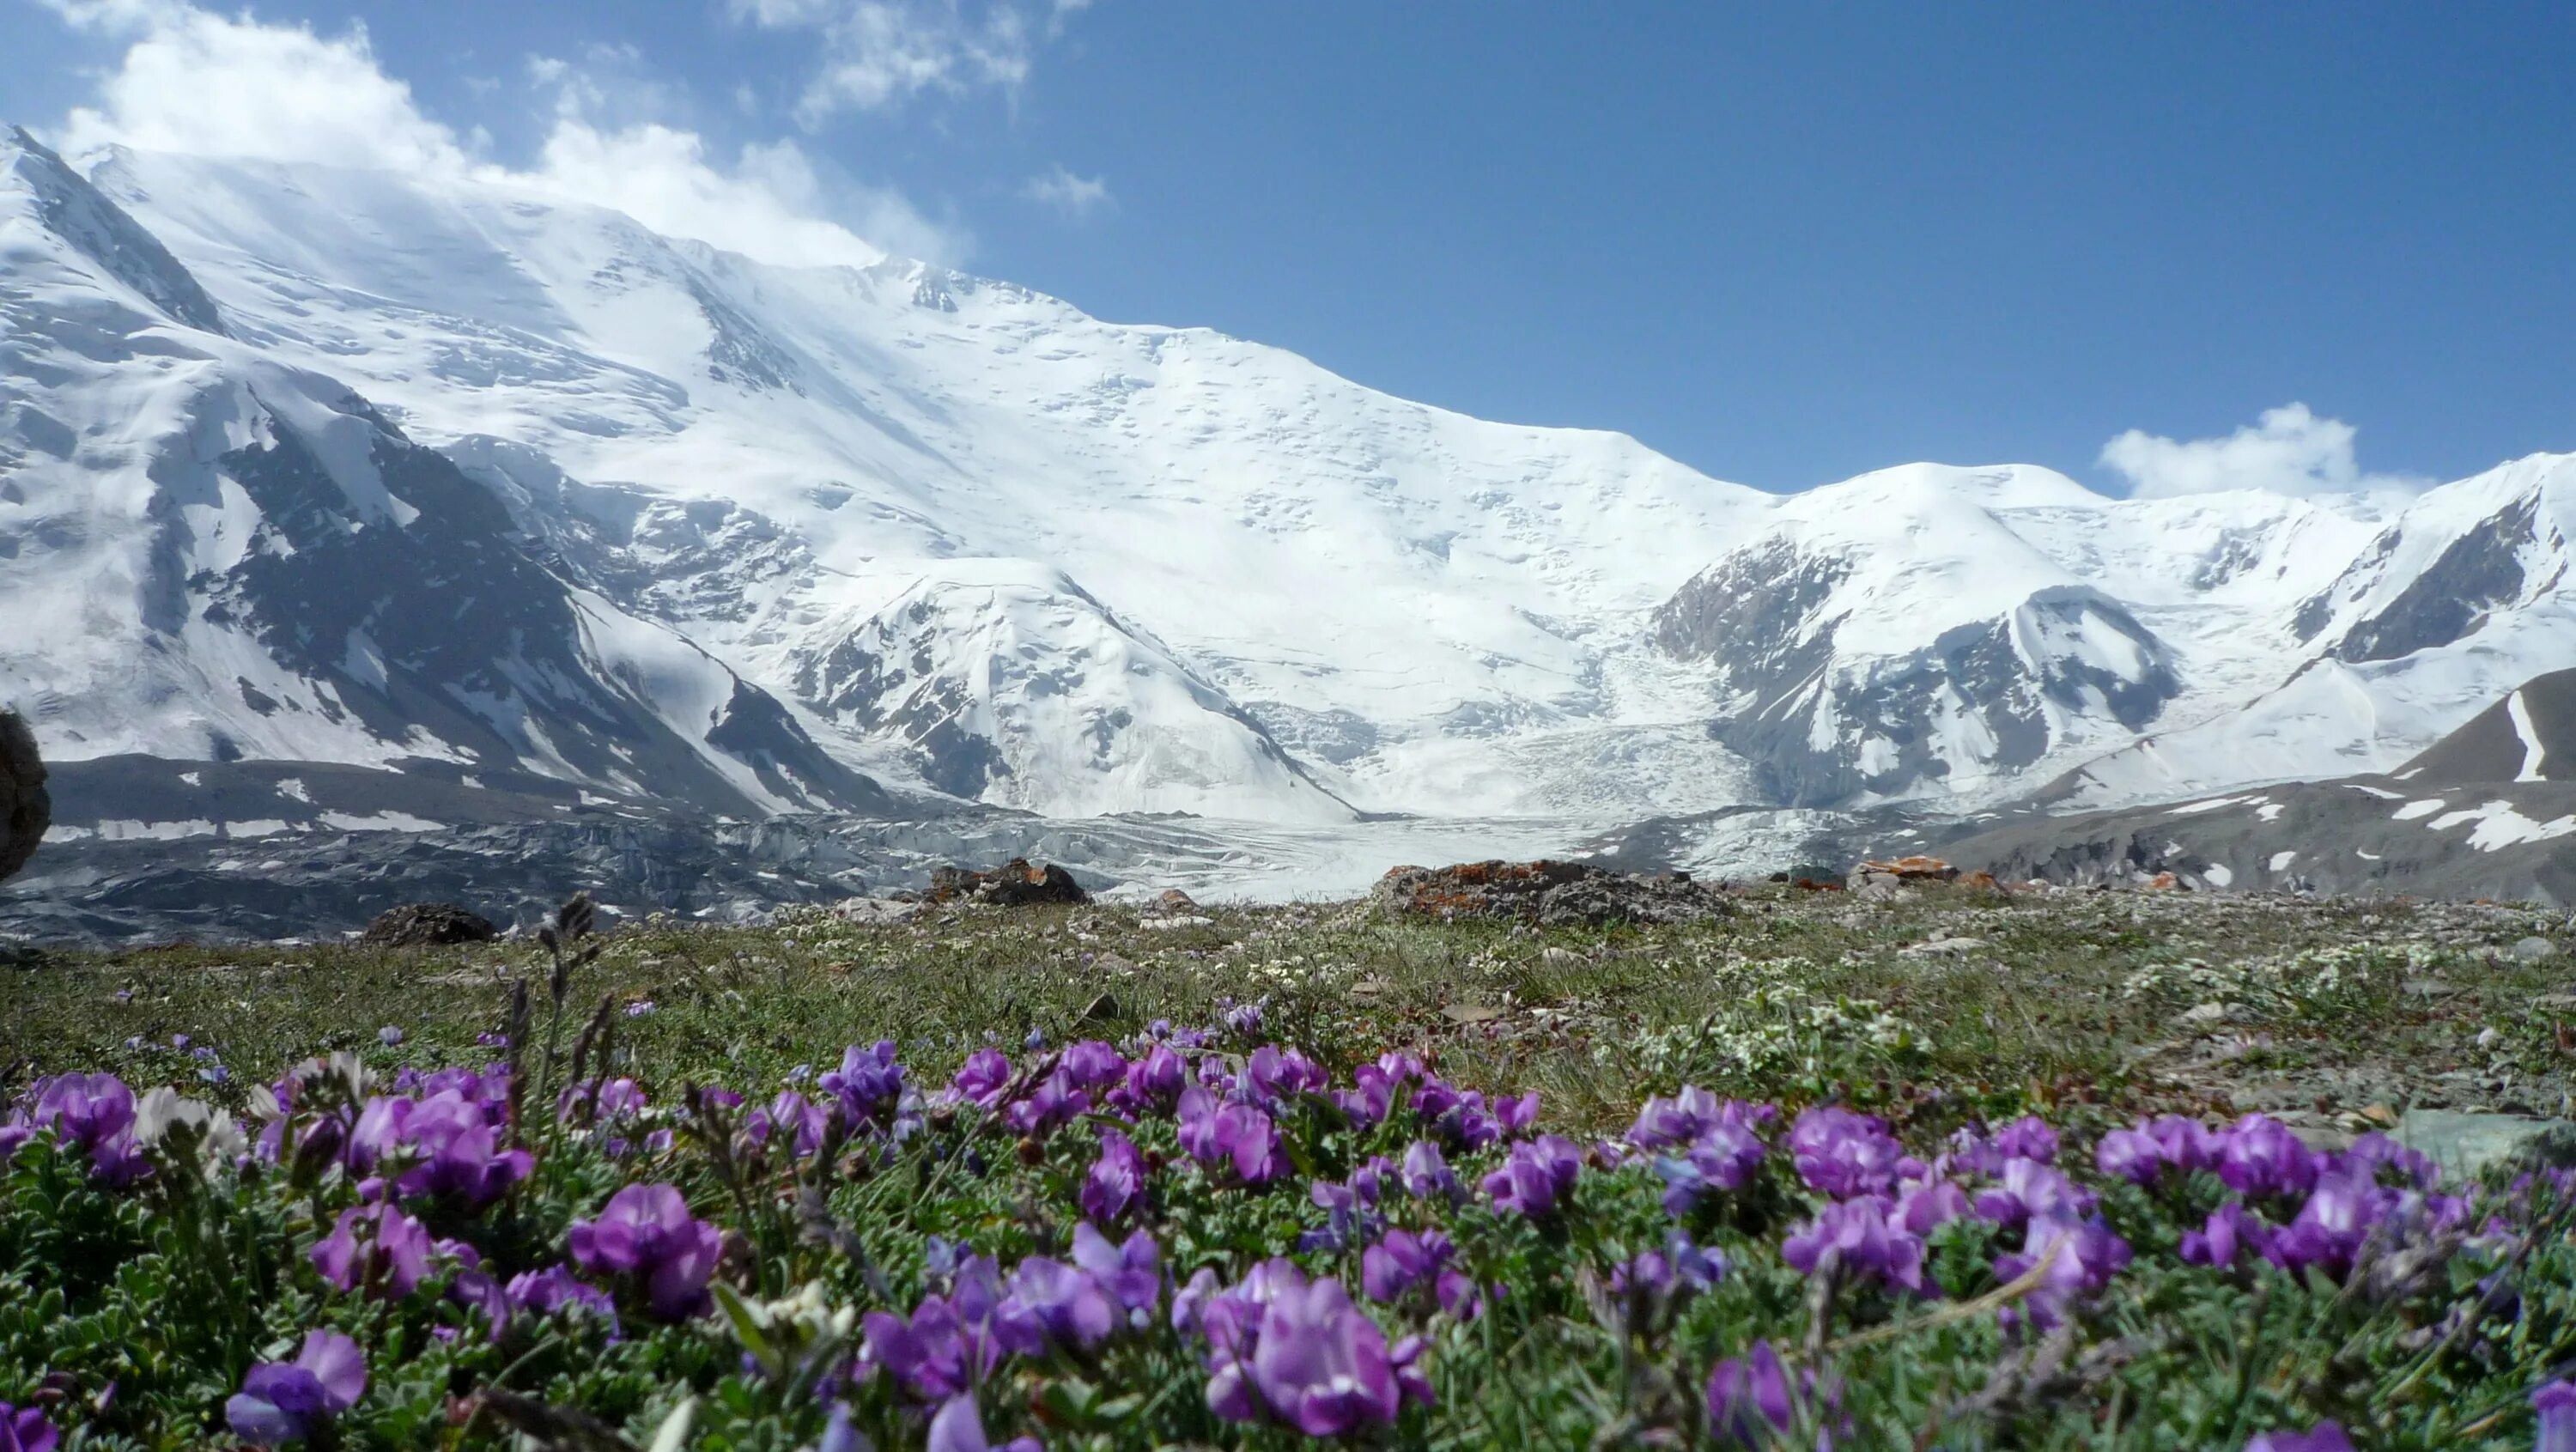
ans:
(379, 822)
(2534, 752)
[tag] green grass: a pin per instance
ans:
(2334, 1007)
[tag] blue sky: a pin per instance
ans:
(1783, 243)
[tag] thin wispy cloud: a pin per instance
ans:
(878, 55)
(2288, 450)
(1075, 196)
(197, 82)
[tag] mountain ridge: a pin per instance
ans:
(897, 532)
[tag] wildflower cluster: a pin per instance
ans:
(1201, 1236)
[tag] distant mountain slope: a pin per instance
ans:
(2458, 598)
(2528, 736)
(215, 555)
(2479, 813)
(312, 465)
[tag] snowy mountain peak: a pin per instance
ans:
(305, 463)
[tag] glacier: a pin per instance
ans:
(428, 475)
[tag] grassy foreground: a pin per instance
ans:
(488, 1298)
(2087, 997)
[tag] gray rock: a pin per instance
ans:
(1548, 894)
(428, 924)
(26, 809)
(1940, 946)
(877, 911)
(2465, 1143)
(2534, 949)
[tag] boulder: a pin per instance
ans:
(26, 809)
(427, 925)
(1015, 883)
(1876, 878)
(2464, 1143)
(1547, 894)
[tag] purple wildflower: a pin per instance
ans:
(1402, 1260)
(542, 1293)
(1154, 1080)
(2555, 1404)
(1844, 1154)
(646, 1235)
(982, 1077)
(2228, 1229)
(26, 1430)
(959, 1427)
(1924, 1207)
(1536, 1176)
(2081, 1258)
(1368, 1182)
(2032, 1190)
(1863, 1242)
(2129, 1154)
(1275, 1074)
(1457, 1115)
(389, 1260)
(2186, 1144)
(1427, 1175)
(1677, 1271)
(1116, 1184)
(619, 1098)
(1132, 1272)
(95, 1114)
(2329, 1229)
(1230, 1135)
(1091, 1064)
(2261, 1157)
(1749, 1399)
(801, 1120)
(2029, 1138)
(1371, 1097)
(458, 1149)
(1051, 1305)
(389, 1036)
(869, 1082)
(1671, 1123)
(1055, 1101)
(928, 1353)
(288, 1401)
(1722, 1157)
(1314, 1362)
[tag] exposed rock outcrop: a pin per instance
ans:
(1547, 894)
(26, 809)
(1015, 883)
(428, 924)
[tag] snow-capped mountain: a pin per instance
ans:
(303, 464)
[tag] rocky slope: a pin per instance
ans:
(478, 509)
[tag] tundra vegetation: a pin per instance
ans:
(1954, 1168)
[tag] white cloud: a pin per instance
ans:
(196, 82)
(2289, 450)
(879, 54)
(1075, 196)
